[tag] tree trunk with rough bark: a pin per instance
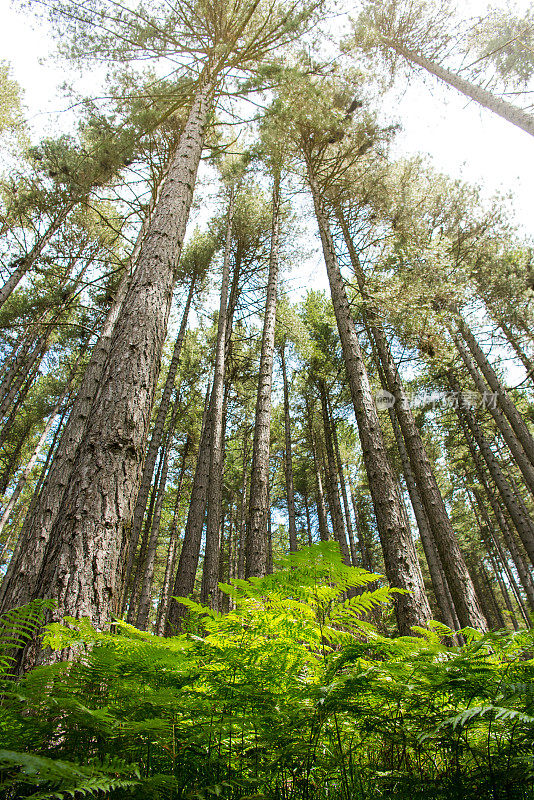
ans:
(402, 567)
(80, 567)
(256, 542)
(208, 592)
(156, 439)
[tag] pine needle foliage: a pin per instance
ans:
(292, 695)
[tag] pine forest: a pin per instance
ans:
(266, 408)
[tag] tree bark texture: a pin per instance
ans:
(81, 568)
(256, 536)
(208, 592)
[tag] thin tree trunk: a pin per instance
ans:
(26, 263)
(484, 98)
(402, 566)
(343, 487)
(509, 538)
(184, 581)
(319, 493)
(515, 507)
(288, 459)
(332, 479)
(80, 569)
(256, 542)
(435, 567)
(518, 453)
(170, 564)
(150, 560)
(208, 592)
(508, 407)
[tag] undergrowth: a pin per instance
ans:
(293, 695)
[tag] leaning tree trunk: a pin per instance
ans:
(402, 566)
(508, 406)
(24, 567)
(509, 435)
(319, 493)
(208, 592)
(256, 541)
(484, 98)
(458, 579)
(343, 487)
(81, 569)
(25, 264)
(515, 507)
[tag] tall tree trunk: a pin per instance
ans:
(184, 581)
(402, 567)
(319, 493)
(208, 592)
(435, 567)
(157, 435)
(23, 569)
(506, 404)
(288, 458)
(507, 111)
(518, 453)
(25, 264)
(256, 542)
(80, 569)
(145, 596)
(515, 507)
(336, 513)
(165, 596)
(439, 525)
(343, 487)
(509, 538)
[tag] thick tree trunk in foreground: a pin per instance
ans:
(256, 542)
(507, 111)
(81, 569)
(402, 567)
